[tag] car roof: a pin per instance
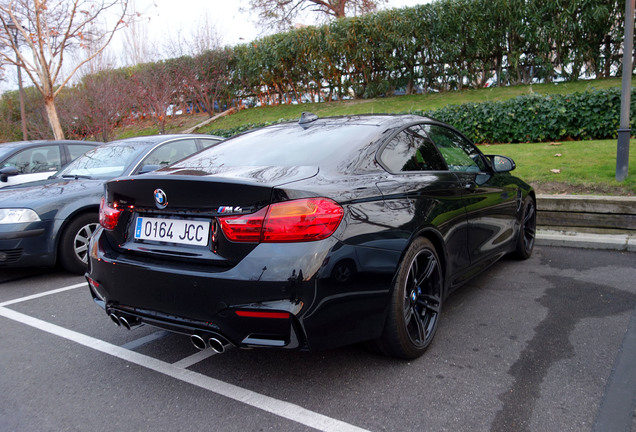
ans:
(25, 144)
(157, 139)
(308, 119)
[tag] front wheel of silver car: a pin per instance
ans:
(73, 249)
(416, 303)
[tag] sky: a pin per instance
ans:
(232, 25)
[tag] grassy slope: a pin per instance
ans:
(587, 167)
(399, 104)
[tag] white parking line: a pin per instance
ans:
(194, 358)
(133, 345)
(44, 294)
(274, 406)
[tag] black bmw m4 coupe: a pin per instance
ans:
(309, 235)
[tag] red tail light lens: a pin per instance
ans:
(108, 216)
(245, 228)
(301, 220)
(291, 221)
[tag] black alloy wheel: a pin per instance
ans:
(73, 251)
(416, 303)
(527, 230)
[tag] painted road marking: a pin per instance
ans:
(44, 294)
(268, 404)
(194, 358)
(132, 345)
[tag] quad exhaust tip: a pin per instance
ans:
(216, 345)
(115, 319)
(122, 321)
(201, 344)
(198, 342)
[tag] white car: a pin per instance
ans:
(27, 161)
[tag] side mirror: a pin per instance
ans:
(502, 163)
(6, 172)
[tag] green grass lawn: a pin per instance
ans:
(585, 167)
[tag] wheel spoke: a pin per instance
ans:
(414, 274)
(431, 265)
(529, 215)
(429, 302)
(82, 239)
(421, 330)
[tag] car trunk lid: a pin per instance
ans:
(174, 215)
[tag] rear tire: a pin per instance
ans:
(527, 230)
(73, 249)
(416, 303)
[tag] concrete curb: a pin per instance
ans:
(590, 222)
(618, 242)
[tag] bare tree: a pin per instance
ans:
(282, 14)
(156, 89)
(97, 105)
(51, 30)
(202, 37)
(138, 47)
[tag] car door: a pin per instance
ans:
(33, 163)
(424, 193)
(491, 202)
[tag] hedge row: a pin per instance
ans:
(594, 114)
(443, 45)
(535, 118)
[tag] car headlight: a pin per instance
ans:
(9, 216)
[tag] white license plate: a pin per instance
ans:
(173, 231)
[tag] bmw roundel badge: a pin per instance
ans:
(161, 199)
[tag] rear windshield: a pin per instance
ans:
(286, 146)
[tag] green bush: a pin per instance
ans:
(533, 118)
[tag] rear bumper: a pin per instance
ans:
(289, 292)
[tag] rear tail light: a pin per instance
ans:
(291, 221)
(108, 216)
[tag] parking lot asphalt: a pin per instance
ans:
(547, 344)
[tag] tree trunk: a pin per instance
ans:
(54, 121)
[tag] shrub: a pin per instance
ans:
(532, 118)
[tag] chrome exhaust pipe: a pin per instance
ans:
(216, 345)
(115, 319)
(198, 342)
(129, 322)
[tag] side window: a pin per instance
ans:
(411, 151)
(171, 152)
(36, 160)
(207, 142)
(76, 150)
(460, 155)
